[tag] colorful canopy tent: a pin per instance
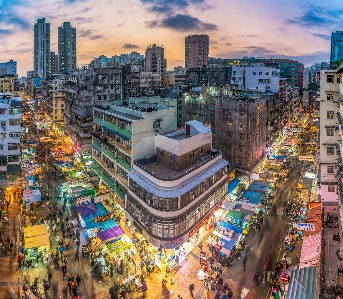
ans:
(31, 195)
(236, 214)
(36, 236)
(236, 229)
(256, 192)
(112, 233)
(302, 283)
(310, 251)
(233, 184)
(104, 224)
(87, 209)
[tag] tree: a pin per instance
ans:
(313, 86)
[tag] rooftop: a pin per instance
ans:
(162, 172)
(195, 128)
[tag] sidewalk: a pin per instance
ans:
(8, 263)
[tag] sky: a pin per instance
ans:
(294, 29)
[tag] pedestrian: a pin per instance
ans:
(144, 289)
(11, 246)
(191, 289)
(20, 259)
(200, 246)
(46, 287)
(7, 204)
(207, 293)
(49, 277)
(77, 256)
(1, 212)
(78, 279)
(61, 251)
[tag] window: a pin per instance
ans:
(14, 135)
(329, 114)
(331, 169)
(330, 150)
(234, 73)
(14, 122)
(2, 111)
(260, 73)
(229, 123)
(329, 132)
(240, 124)
(329, 97)
(267, 73)
(330, 78)
(254, 73)
(339, 80)
(331, 188)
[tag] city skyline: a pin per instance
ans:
(302, 32)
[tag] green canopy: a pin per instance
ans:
(236, 214)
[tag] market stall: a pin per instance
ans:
(36, 244)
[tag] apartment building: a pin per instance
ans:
(10, 138)
(196, 50)
(55, 105)
(122, 135)
(173, 192)
(175, 78)
(155, 61)
(331, 112)
(8, 68)
(7, 83)
(240, 129)
(84, 90)
(256, 77)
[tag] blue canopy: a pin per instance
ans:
(233, 184)
(228, 225)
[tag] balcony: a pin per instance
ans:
(96, 170)
(108, 153)
(97, 145)
(120, 194)
(123, 164)
(121, 179)
(108, 182)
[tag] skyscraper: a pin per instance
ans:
(41, 52)
(196, 50)
(336, 47)
(154, 59)
(53, 63)
(66, 48)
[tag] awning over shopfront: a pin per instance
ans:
(14, 169)
(233, 184)
(302, 283)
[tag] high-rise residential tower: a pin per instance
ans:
(154, 59)
(196, 50)
(53, 63)
(41, 52)
(336, 47)
(66, 48)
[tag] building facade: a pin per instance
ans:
(122, 135)
(213, 76)
(66, 48)
(7, 83)
(155, 61)
(330, 147)
(10, 139)
(256, 77)
(336, 53)
(53, 63)
(240, 129)
(175, 191)
(41, 52)
(8, 68)
(196, 50)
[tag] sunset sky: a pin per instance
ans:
(289, 28)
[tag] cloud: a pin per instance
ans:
(5, 32)
(315, 17)
(172, 7)
(323, 36)
(85, 9)
(228, 44)
(181, 22)
(213, 42)
(88, 33)
(72, 1)
(131, 46)
(97, 36)
(83, 19)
